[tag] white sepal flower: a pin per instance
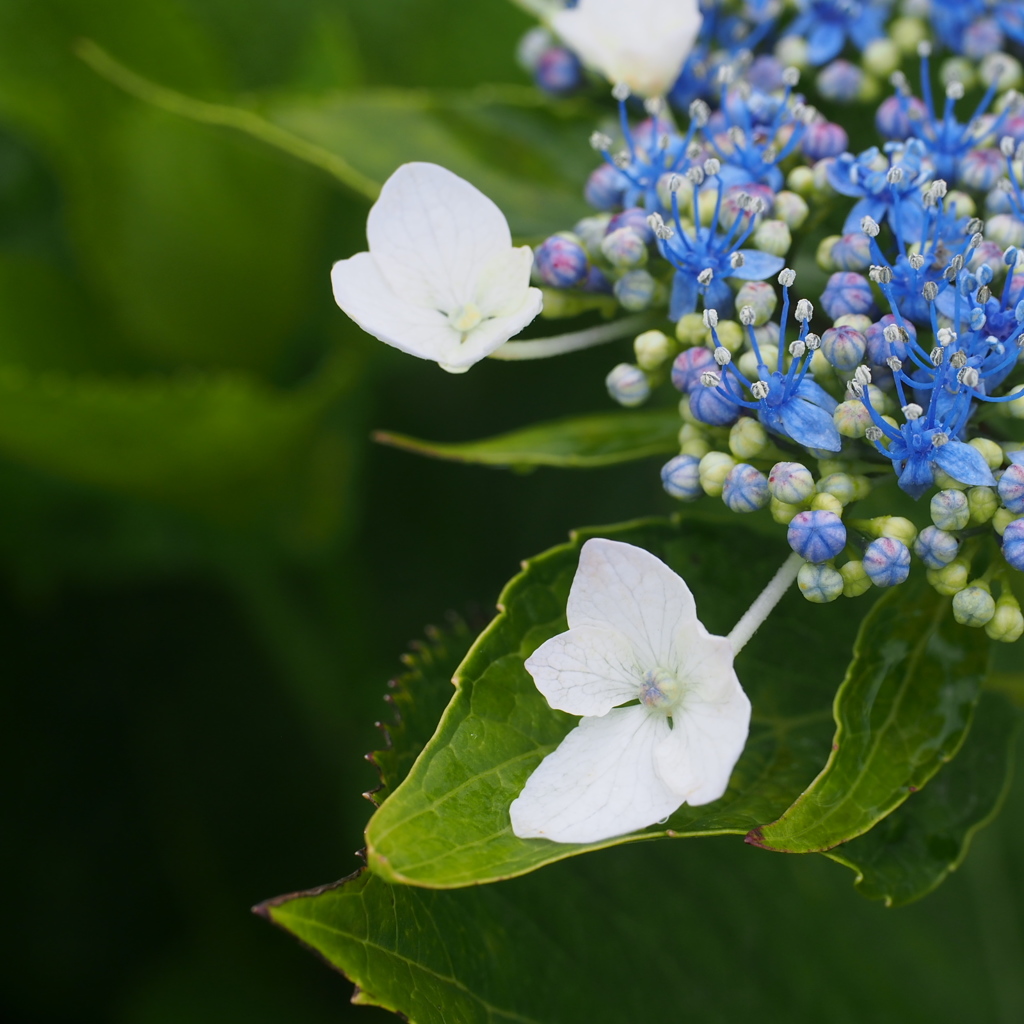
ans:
(640, 43)
(442, 280)
(633, 635)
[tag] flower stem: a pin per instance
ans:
(543, 348)
(765, 602)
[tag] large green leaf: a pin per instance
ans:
(529, 155)
(582, 442)
(447, 824)
(902, 712)
(909, 853)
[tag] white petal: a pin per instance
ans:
(709, 732)
(586, 671)
(630, 590)
(431, 233)
(504, 281)
(600, 782)
(491, 334)
(361, 291)
(643, 43)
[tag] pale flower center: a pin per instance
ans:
(660, 690)
(465, 318)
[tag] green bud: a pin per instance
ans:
(730, 335)
(859, 322)
(792, 50)
(839, 485)
(974, 606)
(748, 361)
(950, 579)
(958, 69)
(826, 502)
(895, 527)
(852, 418)
(991, 452)
(881, 57)
(761, 298)
(1007, 624)
(1016, 407)
(982, 503)
(690, 329)
(560, 304)
(747, 438)
(1001, 68)
(801, 181)
(819, 583)
(855, 580)
(1002, 518)
(772, 236)
(822, 187)
(863, 487)
(870, 89)
(791, 208)
(944, 480)
(652, 348)
(906, 33)
(823, 256)
(950, 510)
(692, 441)
(783, 513)
(965, 205)
(713, 469)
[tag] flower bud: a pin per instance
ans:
(973, 606)
(824, 254)
(791, 482)
(791, 209)
(881, 57)
(761, 297)
(689, 365)
(990, 451)
(709, 405)
(1013, 544)
(591, 231)
(847, 292)
(840, 485)
(816, 535)
(783, 513)
(840, 80)
(635, 290)
(801, 181)
(907, 33)
(950, 510)
(1001, 519)
(855, 580)
(772, 236)
(1011, 488)
(852, 252)
(893, 122)
(942, 478)
(635, 218)
(713, 470)
(935, 547)
(651, 349)
(1007, 625)
(983, 503)
(825, 502)
(824, 139)
(624, 248)
(819, 583)
(628, 385)
(561, 261)
(681, 477)
(730, 336)
(887, 562)
(748, 361)
(792, 51)
(605, 187)
(745, 489)
(851, 418)
(950, 579)
(692, 440)
(558, 71)
(1005, 229)
(690, 329)
(843, 347)
(896, 527)
(747, 439)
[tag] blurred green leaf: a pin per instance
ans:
(910, 852)
(585, 441)
(901, 714)
(221, 445)
(447, 824)
(527, 154)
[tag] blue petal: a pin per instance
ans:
(838, 173)
(684, 295)
(825, 42)
(816, 395)
(757, 265)
(1017, 457)
(718, 295)
(810, 426)
(911, 218)
(916, 476)
(963, 463)
(861, 209)
(866, 28)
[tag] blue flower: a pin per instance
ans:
(977, 27)
(828, 24)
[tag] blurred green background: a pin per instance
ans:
(207, 571)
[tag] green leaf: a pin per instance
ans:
(526, 153)
(901, 714)
(447, 824)
(910, 852)
(581, 442)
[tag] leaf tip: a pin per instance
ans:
(755, 837)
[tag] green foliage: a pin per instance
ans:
(910, 852)
(582, 442)
(447, 824)
(902, 712)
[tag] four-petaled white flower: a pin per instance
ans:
(639, 43)
(634, 639)
(442, 279)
